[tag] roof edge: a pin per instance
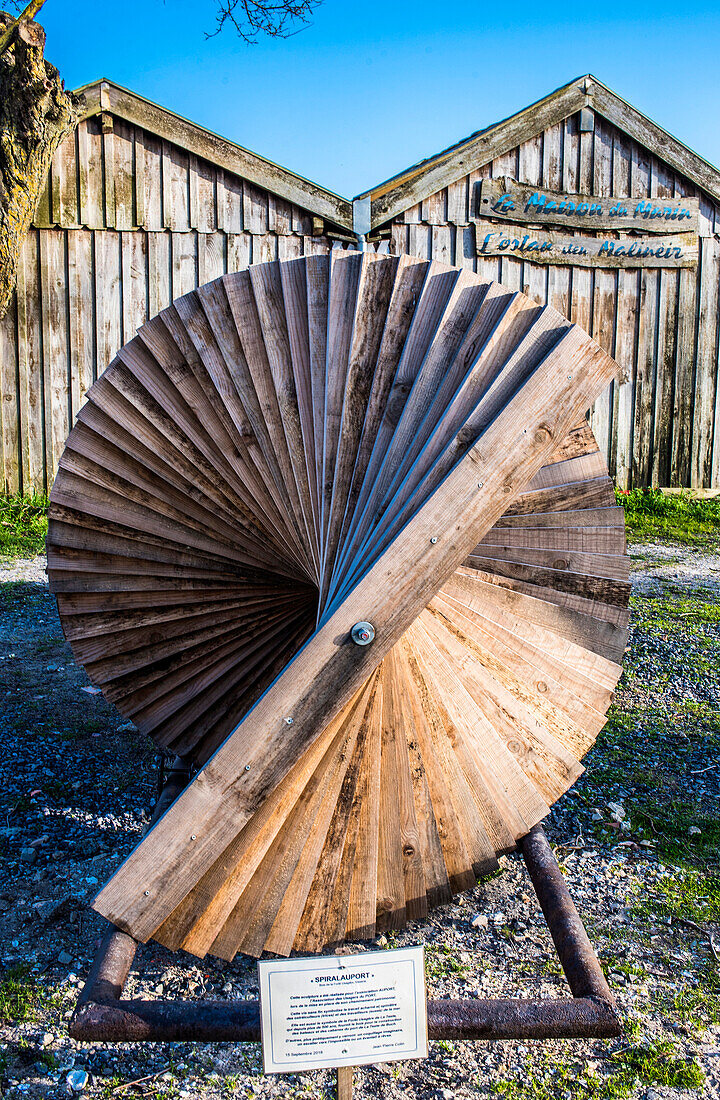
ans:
(428, 176)
(105, 95)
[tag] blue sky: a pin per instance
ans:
(368, 89)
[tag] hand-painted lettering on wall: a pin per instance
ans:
(551, 248)
(508, 200)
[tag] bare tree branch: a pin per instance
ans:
(275, 18)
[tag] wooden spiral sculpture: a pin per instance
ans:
(282, 456)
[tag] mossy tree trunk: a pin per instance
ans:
(35, 115)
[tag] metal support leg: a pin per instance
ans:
(591, 1012)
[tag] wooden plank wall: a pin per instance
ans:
(659, 425)
(126, 224)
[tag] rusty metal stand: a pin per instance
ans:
(591, 1012)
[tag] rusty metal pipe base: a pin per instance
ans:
(101, 1014)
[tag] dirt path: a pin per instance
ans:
(637, 837)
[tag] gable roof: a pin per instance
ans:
(103, 95)
(397, 194)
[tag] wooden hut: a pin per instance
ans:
(659, 425)
(142, 206)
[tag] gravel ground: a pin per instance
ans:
(637, 838)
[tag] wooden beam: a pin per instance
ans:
(402, 192)
(655, 139)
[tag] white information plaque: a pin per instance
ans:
(343, 1010)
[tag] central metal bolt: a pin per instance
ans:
(362, 633)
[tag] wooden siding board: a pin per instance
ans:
(30, 397)
(158, 249)
(134, 283)
(661, 473)
(10, 436)
(108, 162)
(202, 195)
(65, 205)
(175, 187)
(706, 363)
(238, 251)
(433, 209)
(604, 287)
(458, 212)
(255, 209)
(149, 161)
(684, 379)
(90, 174)
(123, 141)
(230, 203)
(108, 297)
(212, 258)
(55, 343)
(81, 302)
(183, 269)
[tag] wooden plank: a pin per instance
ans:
(255, 209)
(684, 378)
(458, 202)
(148, 150)
(55, 344)
(520, 203)
(202, 182)
(238, 251)
(81, 306)
(9, 419)
(43, 218)
(183, 270)
(433, 209)
(108, 297)
(544, 247)
(212, 262)
(158, 253)
(706, 365)
(30, 390)
(66, 210)
(135, 289)
(123, 140)
(175, 187)
(108, 169)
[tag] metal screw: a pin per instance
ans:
(480, 484)
(362, 633)
(288, 721)
(247, 767)
(147, 893)
(193, 837)
(433, 540)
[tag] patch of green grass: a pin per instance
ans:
(440, 962)
(669, 824)
(23, 525)
(696, 1003)
(679, 517)
(688, 894)
(22, 999)
(656, 1063)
